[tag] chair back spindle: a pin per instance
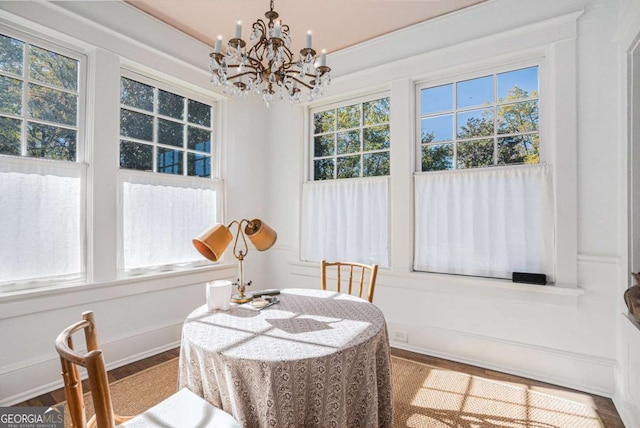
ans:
(363, 270)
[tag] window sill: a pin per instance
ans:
(483, 288)
(40, 299)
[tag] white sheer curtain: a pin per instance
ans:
(160, 217)
(41, 220)
(346, 220)
(485, 222)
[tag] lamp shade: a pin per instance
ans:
(212, 242)
(261, 236)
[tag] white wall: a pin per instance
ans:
(139, 316)
(573, 334)
(564, 334)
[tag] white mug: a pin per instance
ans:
(219, 295)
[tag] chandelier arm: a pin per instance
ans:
(261, 27)
(302, 82)
(254, 73)
(256, 64)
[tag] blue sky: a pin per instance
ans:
(469, 93)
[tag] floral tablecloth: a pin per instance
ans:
(316, 359)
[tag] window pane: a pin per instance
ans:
(475, 123)
(11, 55)
(198, 165)
(437, 128)
(436, 99)
(10, 95)
(437, 157)
(171, 105)
(170, 161)
(51, 142)
(136, 156)
(10, 136)
(376, 111)
(324, 121)
(199, 113)
(518, 117)
(475, 92)
(349, 117)
(473, 154)
(519, 149)
(376, 137)
(136, 94)
(376, 164)
(349, 166)
(52, 68)
(323, 169)
(518, 84)
(199, 139)
(52, 105)
(324, 145)
(348, 142)
(136, 125)
(170, 133)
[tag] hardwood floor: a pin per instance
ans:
(604, 406)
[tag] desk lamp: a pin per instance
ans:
(212, 242)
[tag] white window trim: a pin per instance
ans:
(423, 84)
(71, 52)
(557, 130)
(161, 83)
(25, 163)
(555, 41)
(308, 134)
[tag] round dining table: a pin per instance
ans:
(315, 359)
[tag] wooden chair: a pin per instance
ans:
(183, 409)
(360, 269)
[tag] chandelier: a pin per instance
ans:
(268, 68)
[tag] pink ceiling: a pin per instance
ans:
(336, 24)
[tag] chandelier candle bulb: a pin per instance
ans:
(308, 39)
(239, 30)
(323, 58)
(218, 45)
(277, 30)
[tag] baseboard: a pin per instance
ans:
(568, 369)
(42, 375)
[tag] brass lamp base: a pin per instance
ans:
(237, 298)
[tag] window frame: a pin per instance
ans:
(357, 100)
(547, 145)
(535, 61)
(26, 163)
(81, 115)
(160, 84)
(177, 180)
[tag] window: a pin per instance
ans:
(161, 131)
(40, 101)
(345, 208)
(351, 140)
(41, 178)
(484, 121)
(471, 219)
(168, 194)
